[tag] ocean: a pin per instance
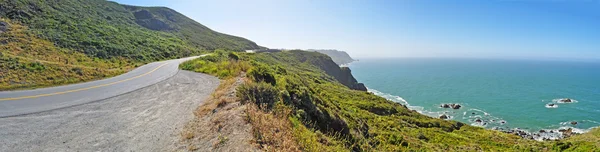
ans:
(493, 93)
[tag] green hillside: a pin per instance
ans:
(326, 115)
(118, 36)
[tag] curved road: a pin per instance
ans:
(14, 103)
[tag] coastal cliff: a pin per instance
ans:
(302, 101)
(339, 57)
(326, 63)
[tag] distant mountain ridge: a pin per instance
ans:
(339, 57)
(107, 29)
(47, 43)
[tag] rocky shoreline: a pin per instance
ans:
(541, 135)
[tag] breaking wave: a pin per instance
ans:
(478, 117)
(562, 100)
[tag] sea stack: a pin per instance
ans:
(456, 106)
(453, 106)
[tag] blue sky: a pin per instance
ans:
(540, 29)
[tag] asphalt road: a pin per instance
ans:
(14, 103)
(146, 120)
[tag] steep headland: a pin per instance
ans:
(339, 57)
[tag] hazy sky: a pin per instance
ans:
(408, 28)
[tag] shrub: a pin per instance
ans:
(211, 58)
(261, 73)
(35, 66)
(261, 94)
(233, 56)
(77, 70)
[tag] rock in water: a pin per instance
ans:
(573, 122)
(478, 120)
(456, 106)
(453, 106)
(568, 132)
(567, 100)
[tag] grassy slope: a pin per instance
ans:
(327, 116)
(29, 62)
(103, 36)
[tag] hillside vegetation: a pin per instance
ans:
(49, 43)
(319, 113)
(27, 62)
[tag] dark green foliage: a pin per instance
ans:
(35, 66)
(262, 94)
(561, 146)
(233, 56)
(261, 73)
(106, 29)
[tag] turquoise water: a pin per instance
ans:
(512, 91)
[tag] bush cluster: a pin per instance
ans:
(262, 73)
(262, 94)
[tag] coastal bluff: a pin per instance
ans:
(341, 74)
(339, 57)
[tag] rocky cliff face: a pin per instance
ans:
(341, 74)
(146, 19)
(339, 57)
(348, 79)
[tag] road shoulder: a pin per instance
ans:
(148, 119)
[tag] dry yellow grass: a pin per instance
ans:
(272, 131)
(219, 124)
(217, 98)
(188, 135)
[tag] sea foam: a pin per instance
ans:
(560, 100)
(401, 100)
(551, 105)
(487, 120)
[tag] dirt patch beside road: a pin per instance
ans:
(221, 123)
